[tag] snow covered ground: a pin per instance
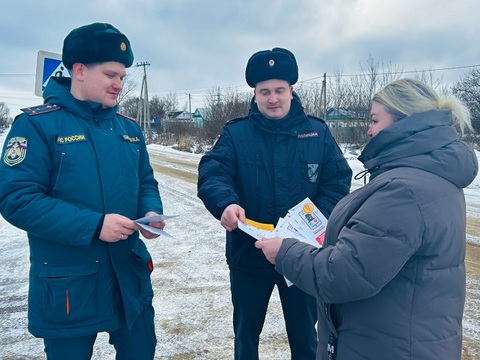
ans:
(192, 297)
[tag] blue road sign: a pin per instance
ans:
(48, 65)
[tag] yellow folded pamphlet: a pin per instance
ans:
(259, 225)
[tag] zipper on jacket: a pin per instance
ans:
(332, 338)
(59, 171)
(331, 346)
(304, 174)
(95, 119)
(67, 303)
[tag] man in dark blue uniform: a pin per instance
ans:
(74, 174)
(261, 166)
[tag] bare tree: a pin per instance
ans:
(310, 95)
(370, 75)
(158, 106)
(128, 87)
(467, 89)
(224, 107)
(129, 106)
(337, 91)
(161, 106)
(4, 115)
(352, 94)
(428, 77)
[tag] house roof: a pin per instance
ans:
(343, 114)
(202, 112)
(179, 115)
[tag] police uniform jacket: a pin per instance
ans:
(65, 165)
(267, 167)
(390, 280)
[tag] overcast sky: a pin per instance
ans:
(196, 46)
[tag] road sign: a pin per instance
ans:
(48, 65)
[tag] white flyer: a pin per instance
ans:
(144, 221)
(155, 218)
(310, 220)
(287, 229)
(304, 222)
(255, 232)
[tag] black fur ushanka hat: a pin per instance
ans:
(97, 42)
(277, 63)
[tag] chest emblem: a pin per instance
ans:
(313, 171)
(309, 135)
(134, 139)
(71, 139)
(15, 151)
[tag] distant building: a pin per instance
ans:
(339, 117)
(347, 126)
(157, 123)
(178, 116)
(200, 115)
(175, 120)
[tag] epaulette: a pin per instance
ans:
(127, 117)
(40, 109)
(236, 120)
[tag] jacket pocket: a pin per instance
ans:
(69, 292)
(142, 267)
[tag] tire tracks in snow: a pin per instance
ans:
(185, 168)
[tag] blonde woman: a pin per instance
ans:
(390, 279)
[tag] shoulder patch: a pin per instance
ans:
(15, 151)
(127, 117)
(40, 109)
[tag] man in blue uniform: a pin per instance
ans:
(261, 166)
(74, 174)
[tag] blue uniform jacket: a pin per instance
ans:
(62, 168)
(267, 167)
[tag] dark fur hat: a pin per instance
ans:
(277, 63)
(97, 42)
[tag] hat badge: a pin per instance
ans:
(271, 63)
(123, 46)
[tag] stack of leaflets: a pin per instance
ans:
(143, 223)
(304, 222)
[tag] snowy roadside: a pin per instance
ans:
(192, 297)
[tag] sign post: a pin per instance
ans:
(48, 65)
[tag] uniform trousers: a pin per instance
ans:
(137, 343)
(251, 294)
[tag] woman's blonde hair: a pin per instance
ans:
(405, 97)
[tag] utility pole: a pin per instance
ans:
(323, 96)
(143, 111)
(190, 105)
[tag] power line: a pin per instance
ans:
(201, 92)
(317, 77)
(16, 75)
(396, 72)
